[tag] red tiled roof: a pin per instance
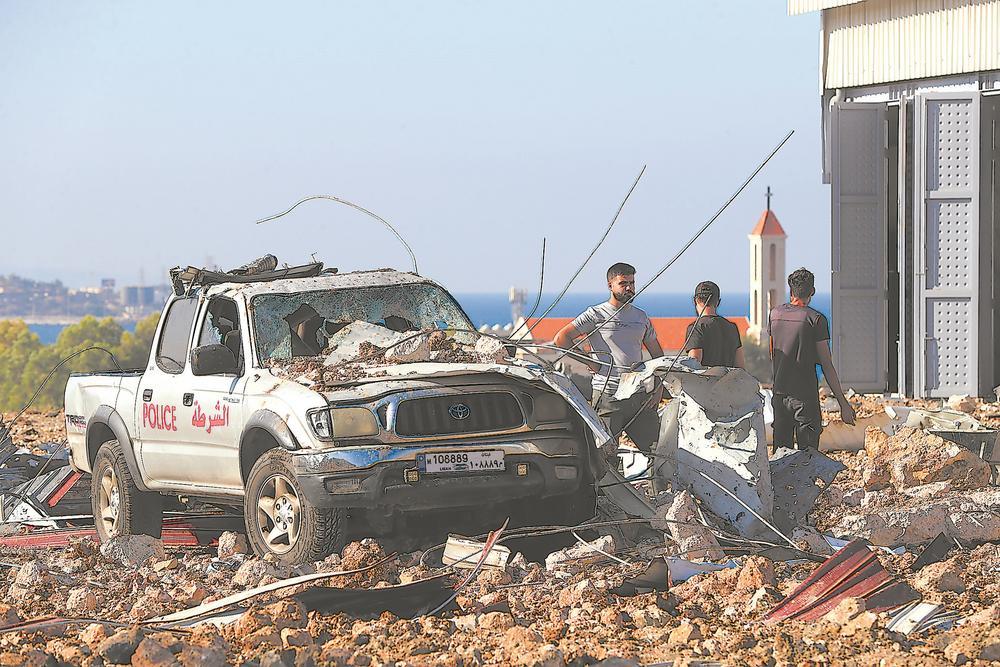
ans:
(669, 330)
(768, 225)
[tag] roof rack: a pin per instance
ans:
(186, 280)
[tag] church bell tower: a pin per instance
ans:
(767, 269)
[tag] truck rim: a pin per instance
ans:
(278, 511)
(109, 502)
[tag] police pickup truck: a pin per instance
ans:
(215, 416)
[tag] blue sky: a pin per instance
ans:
(138, 136)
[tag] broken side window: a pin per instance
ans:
(172, 350)
(222, 326)
(294, 325)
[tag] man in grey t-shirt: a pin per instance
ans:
(616, 344)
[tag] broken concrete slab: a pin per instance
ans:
(912, 457)
(576, 558)
(680, 518)
(719, 433)
(410, 348)
(345, 345)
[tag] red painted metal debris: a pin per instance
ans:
(176, 533)
(64, 488)
(852, 572)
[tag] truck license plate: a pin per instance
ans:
(444, 462)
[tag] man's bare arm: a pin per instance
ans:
(830, 373)
(565, 338)
(740, 359)
(696, 353)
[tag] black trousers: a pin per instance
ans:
(796, 422)
(635, 415)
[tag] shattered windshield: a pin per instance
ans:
(299, 325)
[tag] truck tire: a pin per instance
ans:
(280, 519)
(120, 508)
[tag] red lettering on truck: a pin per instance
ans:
(159, 417)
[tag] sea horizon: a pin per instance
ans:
(491, 308)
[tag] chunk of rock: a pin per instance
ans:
(251, 572)
(150, 653)
(916, 457)
(231, 543)
(578, 556)
(582, 591)
(133, 550)
(32, 578)
(757, 572)
(846, 610)
(495, 621)
(945, 576)
(684, 633)
(811, 540)
(81, 601)
(962, 403)
(694, 541)
(119, 647)
(409, 350)
(490, 350)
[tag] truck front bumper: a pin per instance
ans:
(388, 477)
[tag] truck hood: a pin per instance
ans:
(379, 380)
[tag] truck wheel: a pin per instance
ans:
(120, 508)
(280, 519)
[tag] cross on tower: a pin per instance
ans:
(768, 195)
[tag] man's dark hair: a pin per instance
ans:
(708, 293)
(801, 283)
(620, 269)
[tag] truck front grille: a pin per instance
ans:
(450, 415)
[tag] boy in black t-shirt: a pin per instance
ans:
(800, 340)
(711, 339)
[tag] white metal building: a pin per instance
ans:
(911, 104)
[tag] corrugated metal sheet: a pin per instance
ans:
(880, 41)
(806, 6)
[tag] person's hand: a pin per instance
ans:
(847, 412)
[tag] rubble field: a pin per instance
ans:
(901, 490)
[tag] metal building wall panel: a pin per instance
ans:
(879, 41)
(858, 317)
(806, 6)
(947, 247)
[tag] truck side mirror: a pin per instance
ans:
(214, 359)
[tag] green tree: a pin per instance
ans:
(25, 362)
(18, 346)
(133, 350)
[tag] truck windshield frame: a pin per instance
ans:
(289, 325)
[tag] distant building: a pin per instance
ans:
(767, 269)
(910, 103)
(108, 284)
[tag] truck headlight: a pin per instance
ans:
(321, 424)
(343, 423)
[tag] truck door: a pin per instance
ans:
(216, 412)
(161, 414)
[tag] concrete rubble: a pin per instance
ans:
(566, 604)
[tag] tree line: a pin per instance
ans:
(25, 360)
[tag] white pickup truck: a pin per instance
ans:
(216, 416)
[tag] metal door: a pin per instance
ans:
(946, 149)
(858, 317)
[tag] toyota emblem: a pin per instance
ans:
(459, 411)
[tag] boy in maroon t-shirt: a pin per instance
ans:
(800, 340)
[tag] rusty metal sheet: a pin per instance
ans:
(827, 576)
(852, 572)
